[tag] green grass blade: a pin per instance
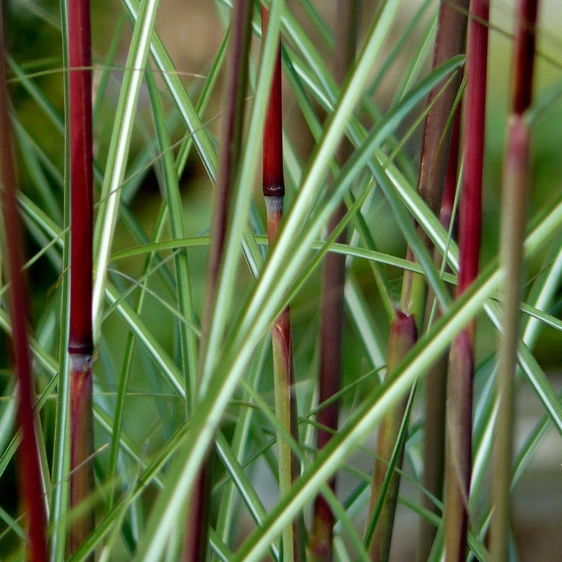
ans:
(118, 152)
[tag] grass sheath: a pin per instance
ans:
(437, 186)
(461, 360)
(458, 446)
(197, 531)
(333, 283)
(273, 183)
(30, 478)
(403, 336)
(436, 381)
(513, 220)
(449, 42)
(80, 344)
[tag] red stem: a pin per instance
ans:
(81, 176)
(450, 41)
(332, 311)
(524, 55)
(273, 177)
(403, 337)
(461, 361)
(471, 197)
(81, 172)
(30, 475)
(273, 187)
(514, 211)
(80, 343)
(459, 446)
(196, 540)
(232, 133)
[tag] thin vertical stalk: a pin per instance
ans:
(30, 475)
(436, 380)
(437, 185)
(403, 336)
(333, 284)
(514, 212)
(80, 342)
(513, 220)
(524, 55)
(461, 360)
(196, 539)
(458, 446)
(449, 42)
(283, 365)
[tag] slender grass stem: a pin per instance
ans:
(333, 284)
(437, 185)
(513, 220)
(458, 446)
(461, 360)
(449, 42)
(403, 337)
(80, 343)
(436, 382)
(283, 365)
(195, 544)
(30, 478)
(514, 211)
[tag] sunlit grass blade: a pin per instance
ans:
(188, 342)
(118, 152)
(61, 453)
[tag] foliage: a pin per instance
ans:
(157, 411)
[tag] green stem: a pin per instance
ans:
(285, 409)
(403, 336)
(449, 42)
(513, 220)
(514, 212)
(436, 382)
